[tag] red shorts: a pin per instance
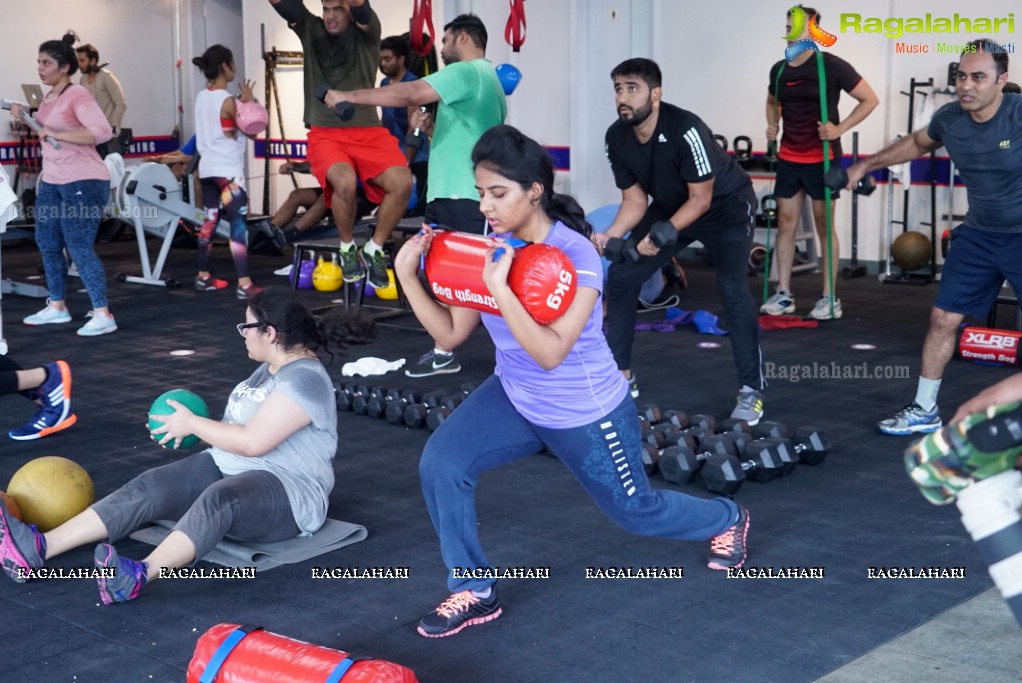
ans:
(369, 151)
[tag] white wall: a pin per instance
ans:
(715, 58)
(142, 59)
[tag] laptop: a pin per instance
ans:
(33, 95)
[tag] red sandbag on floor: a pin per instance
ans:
(229, 653)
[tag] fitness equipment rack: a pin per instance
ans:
(273, 59)
(905, 277)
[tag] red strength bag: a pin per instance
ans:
(986, 345)
(541, 276)
(228, 653)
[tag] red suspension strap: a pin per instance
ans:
(514, 31)
(422, 19)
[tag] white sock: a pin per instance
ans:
(371, 247)
(345, 246)
(483, 595)
(926, 393)
(441, 352)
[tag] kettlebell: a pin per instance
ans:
(721, 140)
(768, 204)
(743, 149)
(305, 269)
(327, 275)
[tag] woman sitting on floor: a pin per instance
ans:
(266, 476)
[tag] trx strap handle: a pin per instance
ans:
(514, 31)
(422, 18)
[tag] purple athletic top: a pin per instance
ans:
(587, 384)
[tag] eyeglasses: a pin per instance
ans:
(247, 326)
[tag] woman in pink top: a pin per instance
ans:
(73, 188)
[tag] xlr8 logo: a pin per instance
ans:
(805, 34)
(991, 341)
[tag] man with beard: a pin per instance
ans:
(661, 152)
(342, 49)
(977, 131)
(107, 90)
(471, 101)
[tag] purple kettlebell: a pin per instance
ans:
(305, 269)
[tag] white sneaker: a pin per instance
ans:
(781, 303)
(822, 310)
(100, 323)
(48, 315)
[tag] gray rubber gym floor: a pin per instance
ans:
(856, 511)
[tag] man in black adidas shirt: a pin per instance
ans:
(982, 133)
(661, 152)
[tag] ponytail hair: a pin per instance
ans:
(506, 150)
(63, 51)
(297, 328)
(213, 60)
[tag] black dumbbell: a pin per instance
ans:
(678, 418)
(706, 422)
(650, 458)
(344, 110)
(618, 250)
(360, 404)
(733, 424)
(810, 445)
(379, 402)
(343, 394)
(768, 428)
(415, 138)
(743, 149)
(652, 413)
(436, 416)
(680, 463)
(781, 451)
(395, 411)
(836, 178)
(770, 156)
(725, 474)
(663, 234)
(416, 413)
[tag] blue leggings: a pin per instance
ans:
(605, 457)
(68, 216)
(220, 195)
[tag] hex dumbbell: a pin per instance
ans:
(725, 474)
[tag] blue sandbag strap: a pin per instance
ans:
(216, 662)
(342, 668)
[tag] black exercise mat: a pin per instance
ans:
(855, 511)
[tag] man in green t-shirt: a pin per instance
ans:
(342, 50)
(471, 101)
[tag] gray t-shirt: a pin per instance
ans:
(988, 157)
(303, 461)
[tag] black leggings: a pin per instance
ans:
(728, 234)
(8, 376)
